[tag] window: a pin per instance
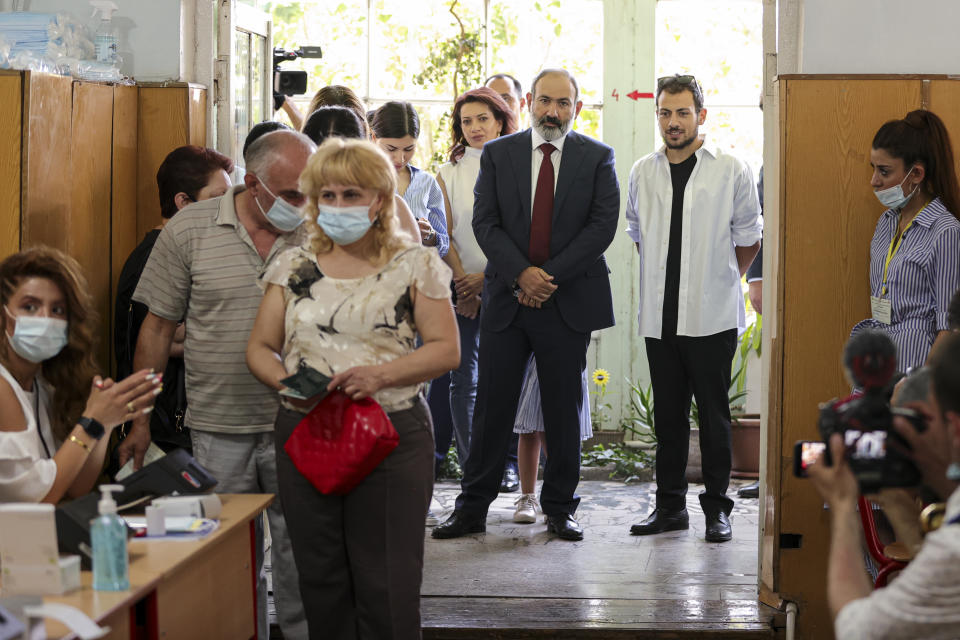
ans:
(721, 44)
(397, 50)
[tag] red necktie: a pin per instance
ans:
(542, 209)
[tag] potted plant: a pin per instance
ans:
(744, 427)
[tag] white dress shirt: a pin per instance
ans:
(720, 211)
(536, 159)
(922, 602)
(460, 179)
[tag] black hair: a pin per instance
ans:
(953, 311)
(675, 84)
(508, 78)
(187, 169)
(396, 120)
(327, 122)
(922, 138)
(562, 72)
(258, 130)
(945, 366)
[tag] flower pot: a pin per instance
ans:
(694, 459)
(745, 444)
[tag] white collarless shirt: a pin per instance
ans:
(721, 211)
(536, 159)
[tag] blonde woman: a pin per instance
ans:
(350, 304)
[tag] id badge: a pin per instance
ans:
(880, 308)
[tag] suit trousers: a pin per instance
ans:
(360, 556)
(681, 366)
(561, 356)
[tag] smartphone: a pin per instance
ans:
(805, 453)
(306, 383)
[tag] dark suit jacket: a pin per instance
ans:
(586, 209)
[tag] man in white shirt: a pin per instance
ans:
(694, 215)
(924, 600)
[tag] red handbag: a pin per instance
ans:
(340, 442)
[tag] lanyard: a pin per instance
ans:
(36, 412)
(894, 247)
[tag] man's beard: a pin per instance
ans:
(684, 143)
(552, 133)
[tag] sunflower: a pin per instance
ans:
(601, 377)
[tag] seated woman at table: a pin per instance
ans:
(56, 415)
(350, 304)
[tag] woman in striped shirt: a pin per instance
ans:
(396, 127)
(915, 252)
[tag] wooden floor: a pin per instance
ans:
(517, 581)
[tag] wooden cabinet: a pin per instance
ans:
(77, 156)
(827, 216)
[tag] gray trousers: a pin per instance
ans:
(360, 556)
(246, 463)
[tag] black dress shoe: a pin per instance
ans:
(565, 527)
(660, 521)
(751, 490)
(459, 524)
(718, 528)
(511, 481)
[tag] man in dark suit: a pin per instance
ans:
(546, 207)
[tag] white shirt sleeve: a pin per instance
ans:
(922, 602)
(23, 477)
(746, 227)
(633, 216)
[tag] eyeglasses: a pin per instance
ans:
(683, 81)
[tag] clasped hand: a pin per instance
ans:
(536, 287)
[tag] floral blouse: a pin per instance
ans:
(333, 324)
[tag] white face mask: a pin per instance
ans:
(37, 339)
(893, 198)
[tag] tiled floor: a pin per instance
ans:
(518, 578)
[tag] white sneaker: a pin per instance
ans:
(527, 508)
(432, 519)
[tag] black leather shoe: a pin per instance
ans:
(459, 524)
(660, 521)
(751, 490)
(565, 527)
(718, 528)
(511, 481)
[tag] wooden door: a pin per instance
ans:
(827, 217)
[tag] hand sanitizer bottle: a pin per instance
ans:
(105, 41)
(108, 533)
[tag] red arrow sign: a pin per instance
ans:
(636, 95)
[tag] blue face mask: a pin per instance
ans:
(282, 215)
(37, 339)
(344, 225)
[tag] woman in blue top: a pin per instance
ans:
(396, 127)
(915, 252)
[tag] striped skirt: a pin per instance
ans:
(529, 412)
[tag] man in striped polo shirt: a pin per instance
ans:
(204, 268)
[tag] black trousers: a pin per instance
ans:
(681, 366)
(360, 556)
(561, 356)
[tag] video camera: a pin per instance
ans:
(875, 451)
(291, 83)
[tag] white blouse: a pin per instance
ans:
(460, 179)
(27, 470)
(333, 324)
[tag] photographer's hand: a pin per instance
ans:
(930, 449)
(903, 511)
(836, 484)
(846, 578)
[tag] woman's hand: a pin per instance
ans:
(112, 403)
(427, 232)
(468, 285)
(359, 382)
(468, 307)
